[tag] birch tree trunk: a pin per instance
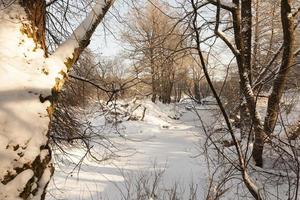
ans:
(30, 81)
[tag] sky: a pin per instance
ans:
(107, 42)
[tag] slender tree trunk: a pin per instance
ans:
(197, 90)
(250, 184)
(287, 60)
(179, 94)
(246, 14)
(245, 84)
(246, 32)
(279, 82)
(256, 38)
(154, 74)
(153, 84)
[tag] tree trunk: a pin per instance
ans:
(26, 167)
(250, 184)
(245, 82)
(246, 14)
(36, 13)
(256, 53)
(246, 32)
(29, 172)
(197, 90)
(179, 92)
(279, 82)
(153, 83)
(287, 60)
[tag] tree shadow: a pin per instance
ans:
(17, 107)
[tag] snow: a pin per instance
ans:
(21, 81)
(226, 3)
(66, 50)
(23, 118)
(17, 184)
(42, 183)
(160, 142)
(157, 142)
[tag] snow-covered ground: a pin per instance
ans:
(157, 142)
(170, 137)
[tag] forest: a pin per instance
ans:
(149, 99)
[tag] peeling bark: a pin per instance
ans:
(36, 10)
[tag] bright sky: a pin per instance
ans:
(107, 40)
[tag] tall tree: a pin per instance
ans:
(288, 27)
(31, 82)
(242, 49)
(155, 41)
(238, 38)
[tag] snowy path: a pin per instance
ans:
(158, 140)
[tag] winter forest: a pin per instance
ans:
(149, 99)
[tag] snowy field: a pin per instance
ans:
(154, 144)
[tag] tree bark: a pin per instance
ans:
(245, 83)
(256, 52)
(197, 90)
(287, 60)
(36, 169)
(40, 166)
(246, 14)
(279, 82)
(36, 13)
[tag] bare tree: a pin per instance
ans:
(233, 26)
(155, 42)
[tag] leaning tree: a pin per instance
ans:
(31, 79)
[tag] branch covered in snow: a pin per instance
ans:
(70, 50)
(223, 5)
